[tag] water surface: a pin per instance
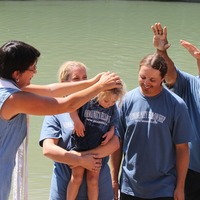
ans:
(105, 35)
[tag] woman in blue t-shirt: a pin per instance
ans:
(18, 65)
(55, 137)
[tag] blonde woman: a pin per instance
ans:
(55, 135)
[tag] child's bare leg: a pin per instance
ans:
(93, 184)
(74, 183)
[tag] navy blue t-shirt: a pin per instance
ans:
(97, 121)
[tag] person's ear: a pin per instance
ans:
(16, 75)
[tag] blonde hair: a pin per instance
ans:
(66, 68)
(119, 92)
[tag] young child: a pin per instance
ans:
(95, 124)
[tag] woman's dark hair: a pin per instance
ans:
(16, 56)
(156, 62)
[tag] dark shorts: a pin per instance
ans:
(192, 185)
(129, 197)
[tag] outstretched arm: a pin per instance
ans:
(193, 50)
(40, 105)
(61, 89)
(160, 42)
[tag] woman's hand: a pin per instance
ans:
(110, 80)
(88, 161)
(97, 77)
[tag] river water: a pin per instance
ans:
(105, 35)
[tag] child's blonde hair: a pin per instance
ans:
(66, 69)
(119, 92)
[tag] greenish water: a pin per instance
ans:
(105, 35)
